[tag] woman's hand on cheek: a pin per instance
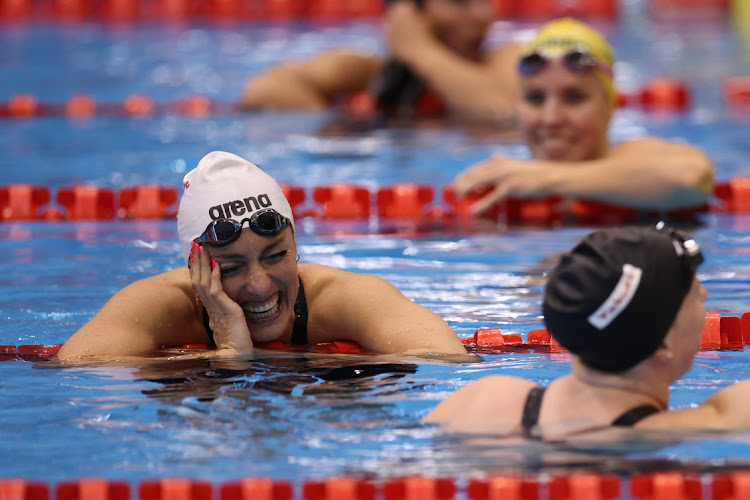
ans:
(226, 317)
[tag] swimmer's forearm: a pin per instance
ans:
(633, 182)
(466, 86)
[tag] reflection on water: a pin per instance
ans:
(301, 375)
(296, 415)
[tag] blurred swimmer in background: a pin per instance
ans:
(438, 64)
(567, 99)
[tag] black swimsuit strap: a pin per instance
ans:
(299, 329)
(210, 332)
(634, 415)
(531, 409)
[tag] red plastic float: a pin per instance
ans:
(731, 486)
(256, 489)
(23, 106)
(734, 195)
(343, 201)
(327, 10)
(538, 336)
(731, 332)
(197, 106)
(120, 10)
(711, 337)
(138, 105)
(737, 93)
(296, 197)
(147, 202)
(502, 487)
(283, 9)
(87, 202)
(419, 488)
(688, 8)
(14, 10)
(22, 201)
(334, 488)
(364, 8)
(595, 212)
(20, 489)
(174, 9)
(665, 486)
(360, 105)
(584, 485)
(228, 9)
(544, 211)
(745, 322)
(492, 337)
(404, 200)
(549, 9)
(80, 106)
(665, 94)
(175, 489)
(71, 10)
(93, 489)
(461, 206)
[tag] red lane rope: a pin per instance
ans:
(658, 95)
(241, 10)
(406, 201)
(719, 333)
(119, 11)
(659, 485)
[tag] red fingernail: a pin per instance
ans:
(213, 264)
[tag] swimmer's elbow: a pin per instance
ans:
(699, 176)
(258, 94)
(281, 88)
(692, 180)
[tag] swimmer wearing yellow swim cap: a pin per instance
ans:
(579, 47)
(567, 100)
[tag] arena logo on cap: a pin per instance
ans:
(239, 207)
(619, 299)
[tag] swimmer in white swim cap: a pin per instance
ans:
(243, 286)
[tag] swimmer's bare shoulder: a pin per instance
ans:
(726, 409)
(367, 309)
(312, 83)
(492, 404)
(147, 314)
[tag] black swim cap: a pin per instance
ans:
(612, 299)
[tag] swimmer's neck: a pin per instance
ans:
(631, 381)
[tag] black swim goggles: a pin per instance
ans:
(576, 60)
(220, 232)
(688, 249)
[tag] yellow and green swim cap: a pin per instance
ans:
(559, 37)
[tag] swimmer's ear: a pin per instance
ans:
(663, 352)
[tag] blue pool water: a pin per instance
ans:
(288, 416)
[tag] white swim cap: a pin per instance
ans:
(225, 186)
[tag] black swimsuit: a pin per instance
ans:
(299, 330)
(534, 404)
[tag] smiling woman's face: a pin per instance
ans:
(564, 115)
(260, 274)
